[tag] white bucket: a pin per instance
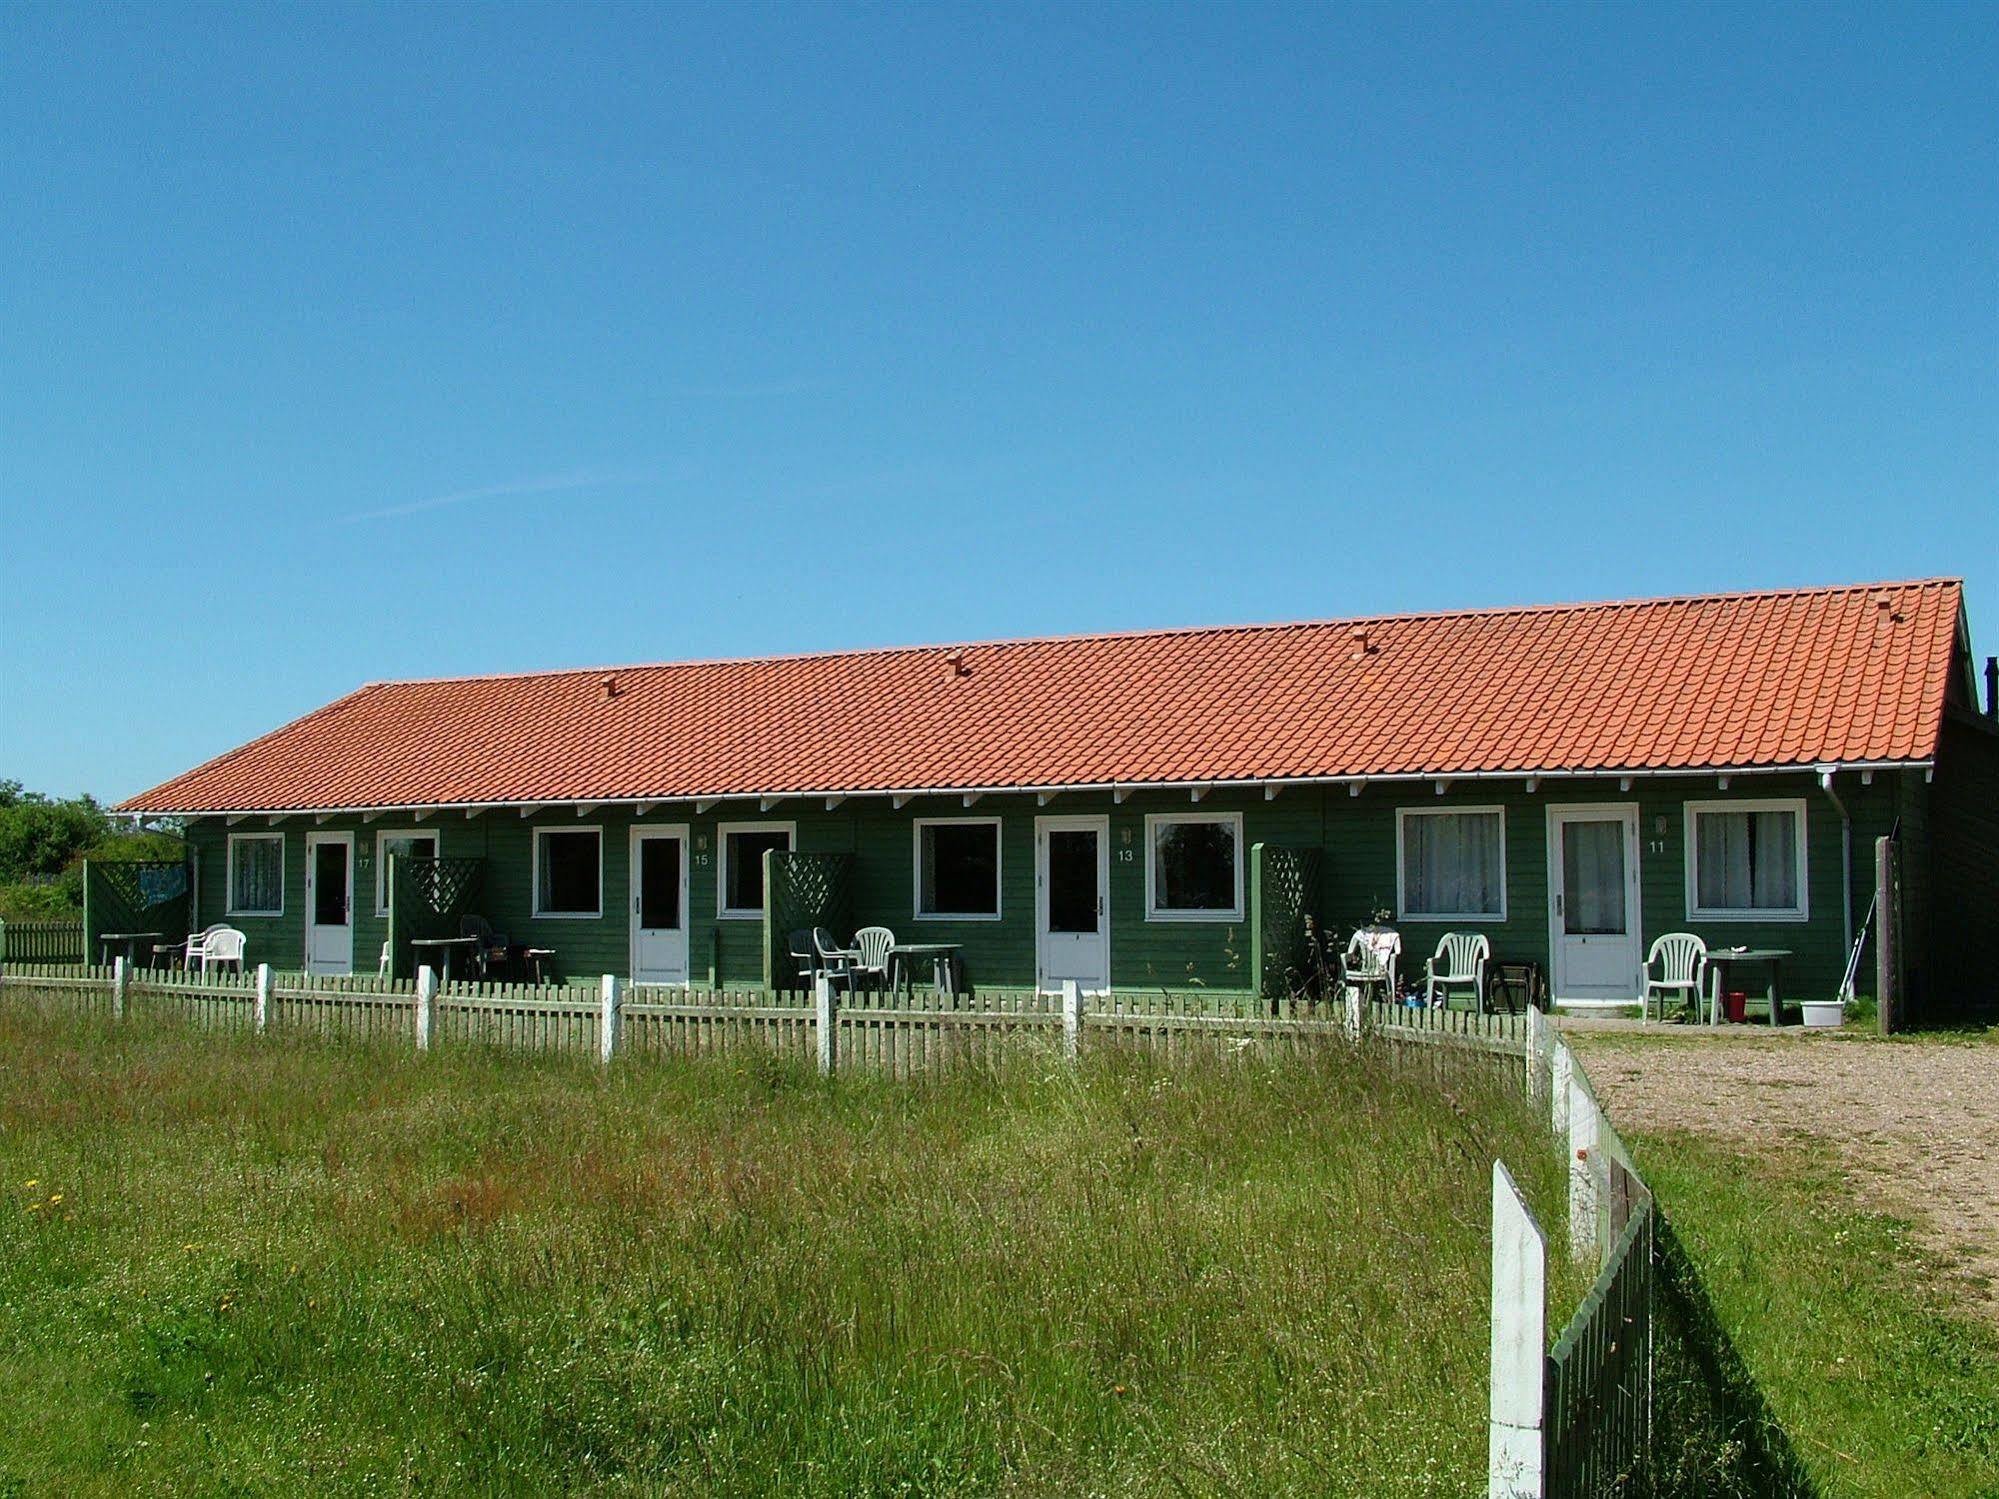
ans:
(1823, 1012)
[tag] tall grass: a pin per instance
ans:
(242, 1265)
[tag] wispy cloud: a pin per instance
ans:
(542, 484)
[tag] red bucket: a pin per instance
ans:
(1735, 1007)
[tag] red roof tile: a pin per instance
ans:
(1724, 681)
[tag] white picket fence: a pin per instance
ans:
(901, 1034)
(1574, 1419)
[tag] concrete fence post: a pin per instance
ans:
(121, 979)
(610, 1029)
(1561, 1072)
(827, 1017)
(1515, 1440)
(1586, 1169)
(1072, 1019)
(426, 1007)
(262, 1011)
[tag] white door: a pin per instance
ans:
(329, 902)
(659, 905)
(1072, 905)
(1593, 912)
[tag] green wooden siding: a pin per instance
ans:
(1358, 874)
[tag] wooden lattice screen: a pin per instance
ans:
(802, 891)
(426, 899)
(134, 896)
(1284, 893)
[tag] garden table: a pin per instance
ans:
(444, 946)
(1719, 959)
(108, 940)
(943, 963)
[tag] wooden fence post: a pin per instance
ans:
(121, 977)
(426, 1006)
(1585, 1169)
(262, 1012)
(828, 1016)
(609, 1029)
(1886, 938)
(1072, 1019)
(1515, 1438)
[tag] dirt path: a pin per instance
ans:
(1917, 1123)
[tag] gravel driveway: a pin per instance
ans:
(1916, 1121)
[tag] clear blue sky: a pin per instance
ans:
(361, 343)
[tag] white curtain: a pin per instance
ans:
(1451, 863)
(1747, 861)
(1593, 877)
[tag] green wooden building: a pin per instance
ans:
(1131, 811)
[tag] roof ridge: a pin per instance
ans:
(1150, 632)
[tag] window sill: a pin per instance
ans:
(567, 916)
(1220, 917)
(739, 916)
(1463, 918)
(255, 915)
(955, 916)
(1750, 917)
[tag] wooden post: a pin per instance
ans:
(426, 1006)
(1585, 1169)
(263, 1008)
(1515, 1450)
(828, 1015)
(609, 1029)
(1886, 938)
(1257, 957)
(121, 977)
(1072, 1019)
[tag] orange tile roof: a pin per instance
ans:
(1794, 677)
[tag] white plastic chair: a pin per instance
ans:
(1374, 954)
(197, 944)
(1458, 963)
(872, 945)
(835, 962)
(222, 944)
(1682, 959)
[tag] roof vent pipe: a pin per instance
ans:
(1992, 687)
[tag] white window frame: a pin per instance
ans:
(1467, 918)
(1795, 805)
(917, 913)
(229, 874)
(534, 873)
(1154, 821)
(382, 862)
(723, 910)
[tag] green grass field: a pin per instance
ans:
(241, 1266)
(1867, 1374)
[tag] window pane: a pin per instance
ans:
(745, 853)
(257, 874)
(568, 873)
(1746, 861)
(958, 869)
(329, 884)
(1193, 866)
(1074, 900)
(659, 884)
(1593, 878)
(1453, 863)
(400, 845)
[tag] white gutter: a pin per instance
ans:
(1845, 864)
(1119, 788)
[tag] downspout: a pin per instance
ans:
(1845, 866)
